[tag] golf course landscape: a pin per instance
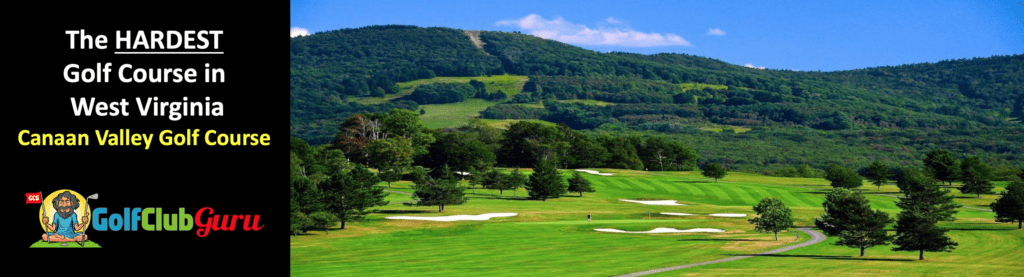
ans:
(554, 237)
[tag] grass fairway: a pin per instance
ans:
(70, 244)
(553, 238)
(509, 84)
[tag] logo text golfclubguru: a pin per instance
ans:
(154, 219)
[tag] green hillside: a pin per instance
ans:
(892, 113)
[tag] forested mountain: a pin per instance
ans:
(892, 113)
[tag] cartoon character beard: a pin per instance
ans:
(63, 214)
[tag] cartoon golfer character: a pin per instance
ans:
(65, 221)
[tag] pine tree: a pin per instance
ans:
(975, 175)
(349, 195)
(439, 192)
(841, 177)
(878, 173)
(942, 165)
(516, 180)
(774, 216)
(849, 216)
(545, 182)
(1010, 205)
(924, 205)
(579, 184)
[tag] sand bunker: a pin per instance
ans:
(454, 217)
(728, 215)
(664, 230)
(594, 172)
(679, 214)
(654, 202)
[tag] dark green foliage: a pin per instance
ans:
(805, 171)
(583, 151)
(660, 154)
(878, 173)
(841, 177)
(713, 170)
(848, 215)
(516, 180)
(579, 184)
(441, 93)
(942, 165)
(545, 182)
(495, 179)
(440, 191)
(459, 150)
(621, 154)
(350, 195)
(1010, 205)
(324, 220)
(924, 205)
(774, 216)
(525, 143)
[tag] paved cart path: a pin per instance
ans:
(816, 237)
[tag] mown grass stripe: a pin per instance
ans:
(660, 186)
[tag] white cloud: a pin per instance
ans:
(750, 65)
(299, 31)
(568, 32)
(715, 32)
(612, 20)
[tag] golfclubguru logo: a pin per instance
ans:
(64, 216)
(154, 219)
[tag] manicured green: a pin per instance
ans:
(551, 238)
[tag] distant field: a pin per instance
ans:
(692, 86)
(452, 115)
(503, 123)
(553, 238)
(509, 84)
(719, 129)
(588, 102)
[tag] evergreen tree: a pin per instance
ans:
(849, 215)
(924, 205)
(323, 219)
(516, 180)
(545, 182)
(805, 171)
(441, 191)
(942, 165)
(494, 179)
(713, 170)
(975, 176)
(774, 216)
(878, 173)
(1010, 205)
(841, 177)
(349, 195)
(579, 184)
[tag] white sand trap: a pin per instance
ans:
(454, 217)
(664, 230)
(728, 215)
(654, 202)
(594, 172)
(679, 214)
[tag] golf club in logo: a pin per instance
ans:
(64, 216)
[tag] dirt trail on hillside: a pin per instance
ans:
(474, 36)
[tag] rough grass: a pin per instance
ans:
(699, 86)
(452, 115)
(503, 123)
(510, 84)
(553, 238)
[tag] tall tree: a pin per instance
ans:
(976, 176)
(350, 195)
(805, 171)
(392, 154)
(773, 216)
(713, 170)
(660, 154)
(842, 177)
(545, 182)
(1010, 205)
(621, 153)
(878, 173)
(942, 165)
(459, 150)
(579, 184)
(445, 190)
(324, 219)
(495, 179)
(924, 205)
(516, 180)
(849, 216)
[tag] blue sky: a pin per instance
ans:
(799, 35)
